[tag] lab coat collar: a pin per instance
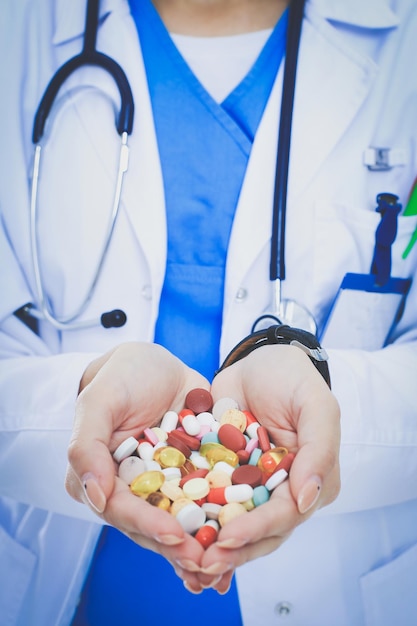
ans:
(369, 14)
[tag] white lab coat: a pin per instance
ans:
(352, 564)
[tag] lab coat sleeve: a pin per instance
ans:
(377, 395)
(37, 398)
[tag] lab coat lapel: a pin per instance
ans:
(332, 82)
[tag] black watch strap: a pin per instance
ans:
(281, 334)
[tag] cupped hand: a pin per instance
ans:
(121, 393)
(282, 388)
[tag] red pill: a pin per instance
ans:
(199, 473)
(199, 400)
(263, 439)
(176, 442)
(243, 456)
(247, 475)
(184, 413)
(192, 442)
(207, 534)
(250, 418)
(231, 437)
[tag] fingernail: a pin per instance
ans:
(189, 565)
(309, 494)
(223, 592)
(169, 540)
(191, 589)
(217, 568)
(233, 542)
(212, 583)
(93, 493)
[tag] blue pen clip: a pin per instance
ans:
(385, 234)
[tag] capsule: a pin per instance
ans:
(232, 493)
(207, 534)
(146, 483)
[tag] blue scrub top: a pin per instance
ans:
(204, 149)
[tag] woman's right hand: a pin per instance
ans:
(121, 393)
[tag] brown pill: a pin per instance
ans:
(247, 475)
(199, 400)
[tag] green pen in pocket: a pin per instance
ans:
(411, 209)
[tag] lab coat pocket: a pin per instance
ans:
(389, 592)
(357, 313)
(17, 566)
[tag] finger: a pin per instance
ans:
(314, 476)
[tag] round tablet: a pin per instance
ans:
(191, 517)
(199, 400)
(126, 448)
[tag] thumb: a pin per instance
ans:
(91, 471)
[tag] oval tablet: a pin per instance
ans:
(247, 475)
(126, 448)
(231, 437)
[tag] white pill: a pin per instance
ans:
(152, 466)
(191, 425)
(145, 451)
(172, 473)
(276, 479)
(169, 422)
(222, 466)
(222, 405)
(252, 430)
(191, 517)
(211, 510)
(126, 448)
(238, 493)
(205, 418)
(130, 468)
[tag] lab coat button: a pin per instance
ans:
(283, 609)
(147, 292)
(241, 294)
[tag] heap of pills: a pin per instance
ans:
(206, 464)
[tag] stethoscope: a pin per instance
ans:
(283, 311)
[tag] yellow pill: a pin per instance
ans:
(268, 461)
(168, 456)
(196, 488)
(160, 434)
(172, 490)
(159, 500)
(147, 483)
(235, 417)
(230, 511)
(222, 454)
(209, 446)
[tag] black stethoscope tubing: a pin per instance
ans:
(88, 56)
(295, 19)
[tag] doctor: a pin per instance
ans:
(353, 562)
